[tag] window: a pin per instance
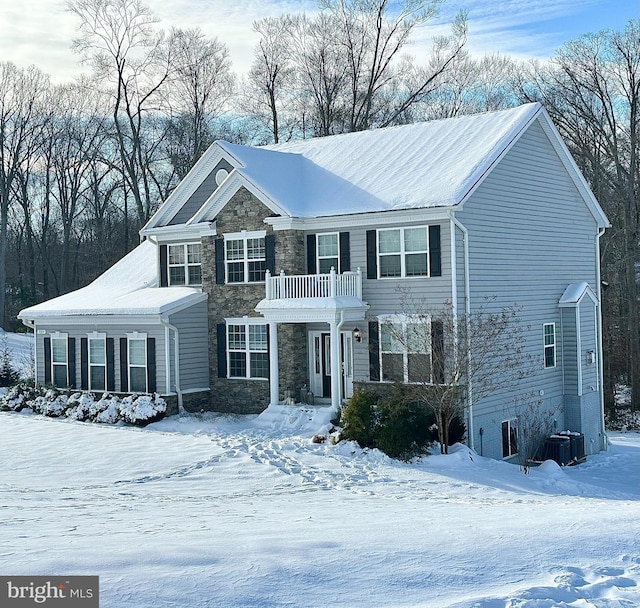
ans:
(328, 252)
(137, 362)
(247, 350)
(403, 252)
(59, 360)
(97, 362)
(245, 257)
(185, 264)
(549, 331)
(405, 347)
(509, 438)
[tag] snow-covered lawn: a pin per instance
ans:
(217, 511)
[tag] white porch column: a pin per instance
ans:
(274, 380)
(336, 372)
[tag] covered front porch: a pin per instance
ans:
(333, 300)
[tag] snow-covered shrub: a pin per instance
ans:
(142, 409)
(83, 406)
(20, 396)
(79, 406)
(623, 419)
(106, 410)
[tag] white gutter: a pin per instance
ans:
(467, 310)
(167, 352)
(605, 440)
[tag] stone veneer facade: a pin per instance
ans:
(244, 396)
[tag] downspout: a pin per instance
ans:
(605, 439)
(32, 325)
(176, 355)
(338, 330)
(467, 310)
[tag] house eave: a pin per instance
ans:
(372, 218)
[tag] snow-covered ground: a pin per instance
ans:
(215, 511)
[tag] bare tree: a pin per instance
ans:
(201, 85)
(20, 92)
(373, 33)
(455, 359)
(321, 72)
(271, 75)
(130, 61)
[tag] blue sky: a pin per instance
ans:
(40, 31)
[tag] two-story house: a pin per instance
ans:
(274, 270)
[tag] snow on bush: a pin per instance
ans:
(83, 406)
(623, 419)
(143, 409)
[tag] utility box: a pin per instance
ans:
(558, 448)
(576, 444)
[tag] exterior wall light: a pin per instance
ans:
(357, 335)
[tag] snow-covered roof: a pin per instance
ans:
(129, 287)
(429, 164)
(575, 292)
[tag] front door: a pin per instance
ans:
(320, 363)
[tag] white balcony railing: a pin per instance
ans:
(330, 285)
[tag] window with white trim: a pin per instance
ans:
(405, 349)
(549, 337)
(247, 350)
(97, 351)
(245, 257)
(185, 264)
(328, 252)
(137, 362)
(509, 438)
(59, 360)
(403, 252)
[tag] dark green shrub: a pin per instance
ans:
(8, 374)
(358, 419)
(397, 425)
(403, 425)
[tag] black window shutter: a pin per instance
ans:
(222, 350)
(71, 362)
(374, 351)
(311, 254)
(219, 244)
(124, 366)
(47, 360)
(345, 253)
(164, 266)
(270, 253)
(435, 255)
(151, 365)
(84, 364)
(111, 368)
(437, 351)
(372, 255)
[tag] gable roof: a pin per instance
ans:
(129, 287)
(434, 164)
(575, 292)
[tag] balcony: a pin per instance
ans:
(330, 285)
(313, 297)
